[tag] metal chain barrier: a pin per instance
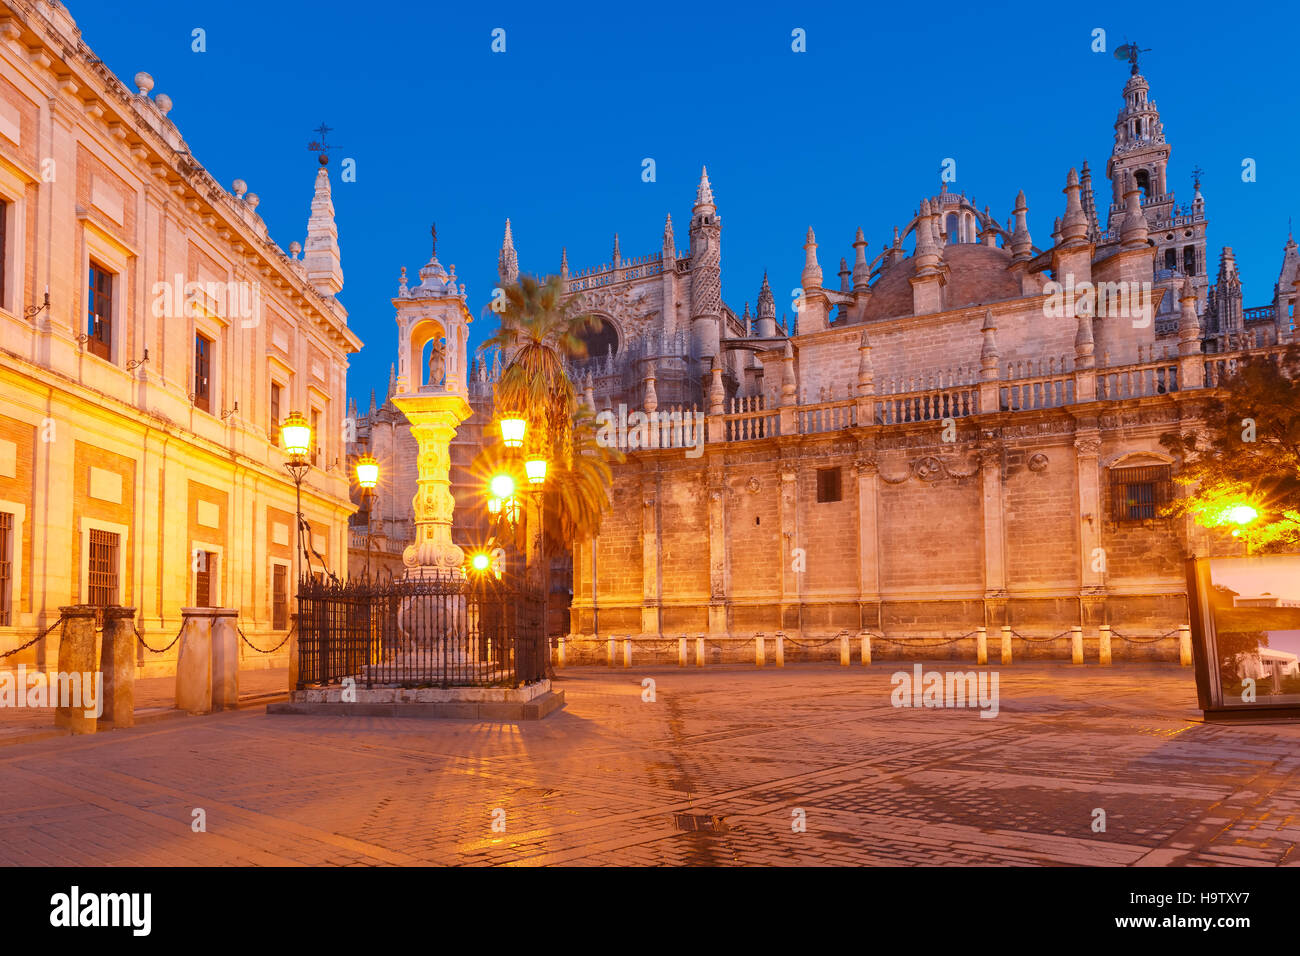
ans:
(154, 650)
(1149, 640)
(287, 635)
(38, 637)
(954, 640)
(1041, 640)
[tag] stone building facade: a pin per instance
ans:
(154, 337)
(960, 433)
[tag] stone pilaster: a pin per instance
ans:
(791, 581)
(866, 470)
(991, 492)
(650, 569)
(719, 573)
(1087, 445)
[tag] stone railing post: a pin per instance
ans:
(846, 654)
(294, 637)
(1185, 645)
(780, 649)
(627, 651)
(117, 660)
(981, 646)
(866, 647)
(681, 652)
(76, 657)
(194, 661)
(609, 652)
(1103, 644)
(699, 651)
(559, 651)
(1076, 645)
(225, 659)
(760, 652)
(1006, 643)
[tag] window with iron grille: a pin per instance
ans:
(99, 312)
(828, 484)
(202, 372)
(279, 597)
(102, 565)
(203, 578)
(274, 430)
(1138, 494)
(6, 568)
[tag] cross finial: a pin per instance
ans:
(1197, 173)
(433, 234)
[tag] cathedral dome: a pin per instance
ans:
(977, 275)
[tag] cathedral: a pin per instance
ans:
(963, 371)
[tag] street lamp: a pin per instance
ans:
(512, 431)
(367, 479)
(295, 434)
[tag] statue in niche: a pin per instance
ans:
(437, 363)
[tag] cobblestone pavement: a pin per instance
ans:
(711, 772)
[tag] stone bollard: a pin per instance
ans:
(846, 656)
(609, 652)
(627, 651)
(1185, 645)
(1076, 645)
(1103, 644)
(1006, 643)
(780, 649)
(699, 651)
(866, 647)
(681, 652)
(194, 662)
(981, 646)
(559, 651)
(76, 657)
(760, 652)
(225, 659)
(117, 660)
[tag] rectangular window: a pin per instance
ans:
(279, 597)
(203, 568)
(4, 252)
(6, 568)
(1138, 494)
(102, 568)
(274, 430)
(99, 315)
(828, 484)
(202, 372)
(315, 437)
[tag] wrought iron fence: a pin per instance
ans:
(420, 633)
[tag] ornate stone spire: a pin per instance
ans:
(846, 285)
(1133, 231)
(670, 245)
(392, 381)
(861, 269)
(989, 349)
(373, 407)
(618, 256)
(812, 271)
(1074, 225)
(564, 262)
(766, 311)
(321, 256)
(1022, 244)
(866, 381)
(1089, 203)
(748, 321)
(507, 260)
(704, 192)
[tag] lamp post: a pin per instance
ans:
(535, 468)
(295, 434)
(367, 479)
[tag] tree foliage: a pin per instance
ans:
(1247, 453)
(538, 331)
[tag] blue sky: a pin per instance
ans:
(552, 133)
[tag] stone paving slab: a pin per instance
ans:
(613, 780)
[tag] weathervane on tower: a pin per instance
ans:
(1129, 51)
(319, 145)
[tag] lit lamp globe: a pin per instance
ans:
(295, 434)
(367, 472)
(494, 506)
(502, 486)
(480, 562)
(1242, 514)
(512, 432)
(536, 470)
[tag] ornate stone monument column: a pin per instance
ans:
(433, 395)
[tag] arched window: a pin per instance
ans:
(601, 340)
(1189, 260)
(950, 227)
(1171, 259)
(1143, 180)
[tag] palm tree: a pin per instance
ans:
(539, 330)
